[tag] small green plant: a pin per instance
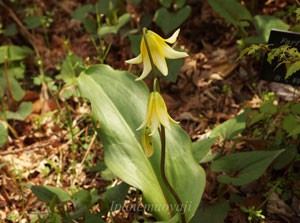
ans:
(12, 71)
(254, 216)
(241, 18)
(110, 19)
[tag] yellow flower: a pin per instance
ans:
(159, 50)
(157, 114)
(147, 142)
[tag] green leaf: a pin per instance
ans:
(244, 167)
(174, 68)
(232, 11)
(146, 20)
(23, 111)
(48, 193)
(90, 25)
(214, 213)
(82, 12)
(286, 157)
(179, 4)
(17, 92)
(290, 123)
(166, 3)
(263, 25)
(123, 20)
(119, 103)
(201, 148)
(296, 108)
(113, 198)
(109, 29)
(135, 41)
(268, 108)
(82, 199)
(293, 68)
(71, 68)
(92, 218)
(10, 30)
(13, 53)
(3, 134)
(231, 128)
(33, 22)
(169, 21)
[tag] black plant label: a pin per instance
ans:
(272, 73)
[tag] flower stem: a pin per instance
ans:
(163, 174)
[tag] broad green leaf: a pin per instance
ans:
(169, 21)
(244, 167)
(293, 68)
(146, 20)
(92, 218)
(3, 134)
(290, 123)
(106, 29)
(23, 111)
(13, 53)
(135, 41)
(33, 22)
(47, 193)
(295, 109)
(174, 68)
(268, 108)
(10, 30)
(90, 25)
(119, 103)
(201, 148)
(123, 20)
(174, 219)
(230, 128)
(286, 157)
(214, 213)
(81, 13)
(17, 92)
(114, 197)
(82, 199)
(232, 11)
(166, 3)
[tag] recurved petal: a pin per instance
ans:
(170, 53)
(136, 60)
(160, 63)
(173, 38)
(149, 114)
(147, 68)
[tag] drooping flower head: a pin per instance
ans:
(157, 115)
(154, 51)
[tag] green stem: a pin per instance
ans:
(163, 174)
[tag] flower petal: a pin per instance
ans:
(173, 38)
(147, 68)
(161, 110)
(160, 62)
(147, 142)
(170, 53)
(136, 60)
(149, 114)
